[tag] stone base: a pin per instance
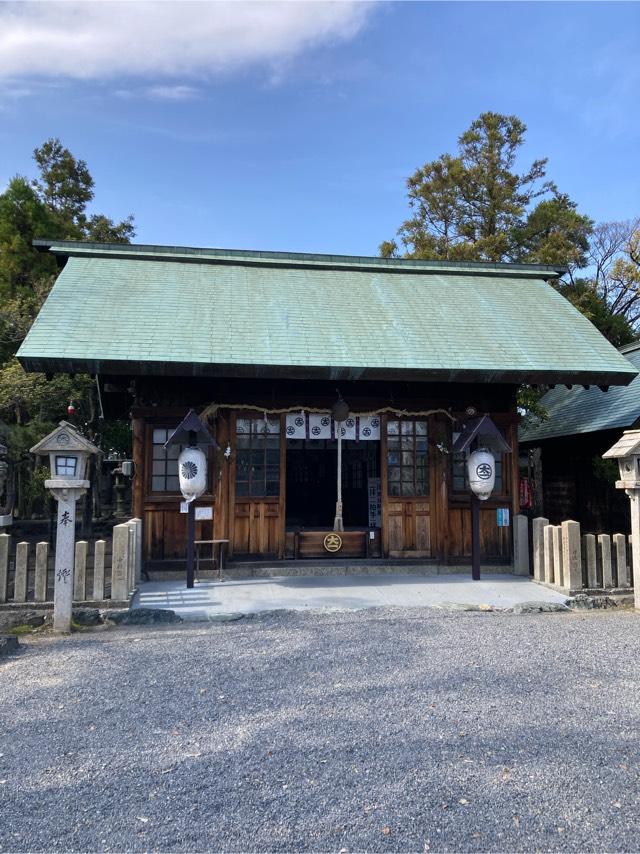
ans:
(297, 569)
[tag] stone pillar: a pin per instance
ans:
(604, 542)
(42, 561)
(98, 570)
(20, 577)
(571, 556)
(131, 575)
(80, 571)
(589, 543)
(120, 563)
(63, 571)
(5, 543)
(137, 575)
(539, 525)
(557, 555)
(549, 575)
(620, 547)
(634, 495)
(520, 545)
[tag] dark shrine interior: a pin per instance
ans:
(311, 482)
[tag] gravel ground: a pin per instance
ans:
(379, 730)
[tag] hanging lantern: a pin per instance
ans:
(481, 469)
(71, 410)
(340, 410)
(192, 473)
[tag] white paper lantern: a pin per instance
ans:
(192, 473)
(481, 468)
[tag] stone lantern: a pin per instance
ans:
(627, 452)
(68, 453)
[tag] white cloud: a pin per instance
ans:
(177, 92)
(101, 40)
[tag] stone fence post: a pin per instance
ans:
(521, 545)
(120, 562)
(5, 542)
(20, 578)
(571, 556)
(42, 566)
(137, 524)
(539, 525)
(98, 570)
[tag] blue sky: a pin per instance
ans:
(294, 126)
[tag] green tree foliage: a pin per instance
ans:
(52, 205)
(476, 206)
(65, 186)
(23, 217)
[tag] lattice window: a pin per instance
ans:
(164, 465)
(257, 457)
(407, 457)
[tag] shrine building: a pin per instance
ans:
(262, 344)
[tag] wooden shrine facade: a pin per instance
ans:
(273, 482)
(248, 339)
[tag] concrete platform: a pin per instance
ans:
(254, 595)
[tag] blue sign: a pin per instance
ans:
(502, 517)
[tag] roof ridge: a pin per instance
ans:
(221, 255)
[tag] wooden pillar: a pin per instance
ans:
(440, 465)
(222, 466)
(475, 537)
(232, 480)
(384, 488)
(139, 476)
(282, 501)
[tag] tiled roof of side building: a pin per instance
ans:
(137, 309)
(580, 410)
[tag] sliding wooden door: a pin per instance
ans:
(406, 476)
(257, 485)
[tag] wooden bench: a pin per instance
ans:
(217, 562)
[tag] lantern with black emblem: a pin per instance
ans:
(192, 474)
(479, 438)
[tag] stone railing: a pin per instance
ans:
(573, 562)
(103, 570)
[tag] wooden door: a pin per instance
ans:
(257, 485)
(406, 486)
(409, 528)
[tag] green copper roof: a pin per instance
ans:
(580, 410)
(140, 309)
